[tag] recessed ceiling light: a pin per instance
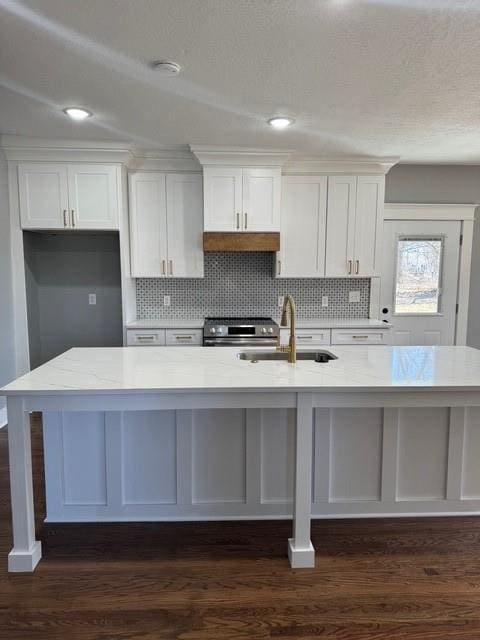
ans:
(166, 67)
(280, 122)
(77, 113)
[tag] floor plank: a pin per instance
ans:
(395, 579)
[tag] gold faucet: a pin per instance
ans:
(289, 302)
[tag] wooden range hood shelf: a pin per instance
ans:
(217, 241)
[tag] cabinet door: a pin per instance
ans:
(340, 226)
(185, 226)
(368, 225)
(261, 200)
(43, 196)
(222, 198)
(148, 225)
(302, 228)
(92, 194)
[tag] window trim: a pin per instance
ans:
(421, 237)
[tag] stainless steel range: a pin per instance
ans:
(240, 332)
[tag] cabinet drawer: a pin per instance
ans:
(315, 336)
(360, 336)
(146, 337)
(186, 338)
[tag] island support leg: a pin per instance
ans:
(26, 551)
(300, 549)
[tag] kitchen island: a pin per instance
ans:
(192, 433)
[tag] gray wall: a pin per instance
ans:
(7, 349)
(449, 184)
(61, 270)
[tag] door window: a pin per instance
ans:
(418, 275)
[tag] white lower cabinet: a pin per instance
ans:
(184, 337)
(307, 337)
(146, 337)
(237, 463)
(360, 336)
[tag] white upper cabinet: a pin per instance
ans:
(242, 199)
(166, 225)
(68, 196)
(185, 226)
(261, 199)
(369, 225)
(354, 223)
(340, 225)
(43, 196)
(148, 224)
(92, 195)
(303, 224)
(222, 198)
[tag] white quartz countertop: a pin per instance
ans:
(325, 323)
(161, 369)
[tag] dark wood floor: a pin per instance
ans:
(377, 579)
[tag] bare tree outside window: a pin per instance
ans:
(417, 287)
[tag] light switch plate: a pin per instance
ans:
(354, 296)
(92, 298)
(324, 301)
(280, 301)
(166, 301)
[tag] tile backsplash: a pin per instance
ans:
(241, 284)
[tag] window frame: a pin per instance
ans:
(422, 237)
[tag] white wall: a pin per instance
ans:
(7, 355)
(449, 184)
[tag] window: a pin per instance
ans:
(418, 275)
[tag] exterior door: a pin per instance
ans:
(92, 194)
(43, 196)
(419, 281)
(185, 225)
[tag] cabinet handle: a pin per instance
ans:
(305, 337)
(357, 266)
(185, 337)
(73, 218)
(238, 221)
(360, 337)
(163, 267)
(170, 267)
(65, 221)
(246, 219)
(349, 267)
(279, 267)
(146, 338)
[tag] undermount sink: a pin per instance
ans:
(316, 356)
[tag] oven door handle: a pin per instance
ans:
(240, 342)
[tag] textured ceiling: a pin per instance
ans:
(361, 77)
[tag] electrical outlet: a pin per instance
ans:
(92, 298)
(166, 301)
(324, 301)
(354, 296)
(280, 302)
